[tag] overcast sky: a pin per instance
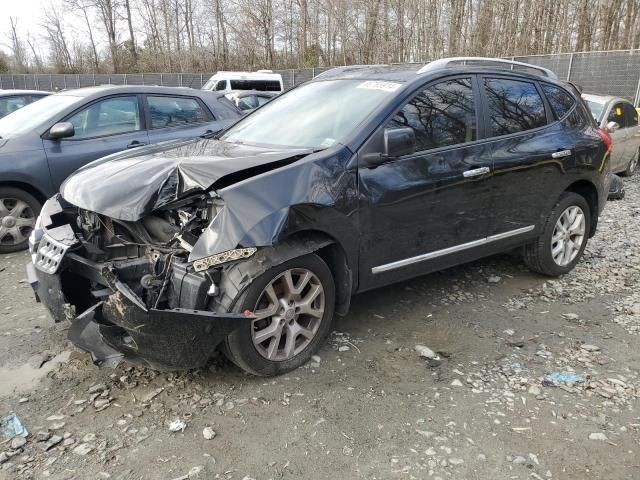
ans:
(29, 15)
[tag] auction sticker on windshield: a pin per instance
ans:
(380, 85)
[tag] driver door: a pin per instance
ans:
(106, 126)
(425, 210)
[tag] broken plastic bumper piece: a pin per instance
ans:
(119, 329)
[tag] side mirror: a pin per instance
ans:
(612, 126)
(62, 130)
(399, 142)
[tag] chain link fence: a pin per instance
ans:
(609, 73)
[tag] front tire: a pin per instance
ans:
(633, 165)
(18, 213)
(294, 304)
(564, 238)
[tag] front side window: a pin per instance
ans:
(173, 111)
(221, 85)
(514, 106)
(440, 115)
(559, 99)
(111, 116)
(616, 114)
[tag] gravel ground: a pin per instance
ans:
(532, 379)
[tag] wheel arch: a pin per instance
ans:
(589, 192)
(238, 277)
(30, 189)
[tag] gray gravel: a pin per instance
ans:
(482, 371)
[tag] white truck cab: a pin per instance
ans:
(262, 80)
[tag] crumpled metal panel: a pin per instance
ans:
(316, 193)
(129, 185)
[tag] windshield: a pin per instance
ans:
(34, 114)
(596, 109)
(315, 115)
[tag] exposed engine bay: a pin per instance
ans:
(143, 255)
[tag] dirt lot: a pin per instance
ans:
(370, 407)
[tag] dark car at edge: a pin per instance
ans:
(250, 242)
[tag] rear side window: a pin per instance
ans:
(441, 115)
(559, 99)
(172, 111)
(514, 106)
(261, 85)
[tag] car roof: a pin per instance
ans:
(102, 90)
(411, 73)
(603, 99)
(5, 93)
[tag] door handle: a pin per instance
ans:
(561, 154)
(135, 144)
(476, 172)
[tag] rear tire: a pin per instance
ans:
(563, 239)
(293, 325)
(18, 213)
(633, 165)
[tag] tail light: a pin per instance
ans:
(606, 138)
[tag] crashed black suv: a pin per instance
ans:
(363, 177)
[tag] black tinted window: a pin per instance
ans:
(442, 114)
(561, 102)
(514, 106)
(261, 85)
(631, 115)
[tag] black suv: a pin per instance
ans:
(363, 177)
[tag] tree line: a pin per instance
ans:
(120, 36)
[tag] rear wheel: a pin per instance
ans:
(18, 213)
(293, 304)
(633, 165)
(564, 238)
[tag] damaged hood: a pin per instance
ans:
(131, 184)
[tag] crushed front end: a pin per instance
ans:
(128, 287)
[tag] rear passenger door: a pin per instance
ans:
(171, 117)
(528, 154)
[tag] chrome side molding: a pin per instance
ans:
(449, 250)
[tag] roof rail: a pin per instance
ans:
(446, 62)
(345, 68)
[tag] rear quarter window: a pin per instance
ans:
(559, 99)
